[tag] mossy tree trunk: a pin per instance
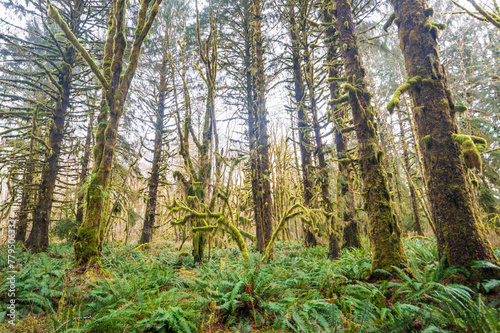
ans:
(259, 153)
(460, 233)
(351, 235)
(384, 231)
(303, 124)
(38, 239)
(115, 87)
(208, 54)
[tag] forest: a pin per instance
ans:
(249, 166)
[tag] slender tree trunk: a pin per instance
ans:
(149, 221)
(303, 120)
(29, 169)
(385, 234)
(260, 152)
(460, 233)
(413, 196)
(84, 172)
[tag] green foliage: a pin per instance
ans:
(300, 291)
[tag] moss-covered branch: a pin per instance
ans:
(395, 102)
(289, 215)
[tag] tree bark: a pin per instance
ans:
(149, 221)
(384, 231)
(115, 87)
(29, 169)
(413, 195)
(84, 172)
(38, 239)
(303, 124)
(259, 153)
(460, 235)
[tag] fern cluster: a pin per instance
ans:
(301, 291)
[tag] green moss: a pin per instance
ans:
(472, 158)
(473, 180)
(443, 103)
(460, 108)
(345, 161)
(479, 140)
(449, 95)
(349, 88)
(426, 140)
(440, 26)
(395, 102)
(204, 228)
(428, 82)
(86, 247)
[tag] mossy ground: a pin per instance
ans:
(162, 290)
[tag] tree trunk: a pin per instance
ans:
(84, 172)
(351, 235)
(149, 221)
(260, 152)
(38, 239)
(385, 234)
(413, 195)
(29, 169)
(115, 86)
(303, 124)
(460, 233)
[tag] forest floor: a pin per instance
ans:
(161, 290)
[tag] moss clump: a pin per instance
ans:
(443, 103)
(429, 12)
(395, 102)
(428, 82)
(426, 140)
(350, 88)
(345, 161)
(433, 28)
(449, 95)
(473, 180)
(460, 108)
(471, 155)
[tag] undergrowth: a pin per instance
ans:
(300, 291)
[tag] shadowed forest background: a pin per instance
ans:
(250, 165)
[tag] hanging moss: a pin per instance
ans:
(471, 155)
(429, 12)
(479, 141)
(460, 108)
(449, 95)
(426, 140)
(473, 180)
(395, 102)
